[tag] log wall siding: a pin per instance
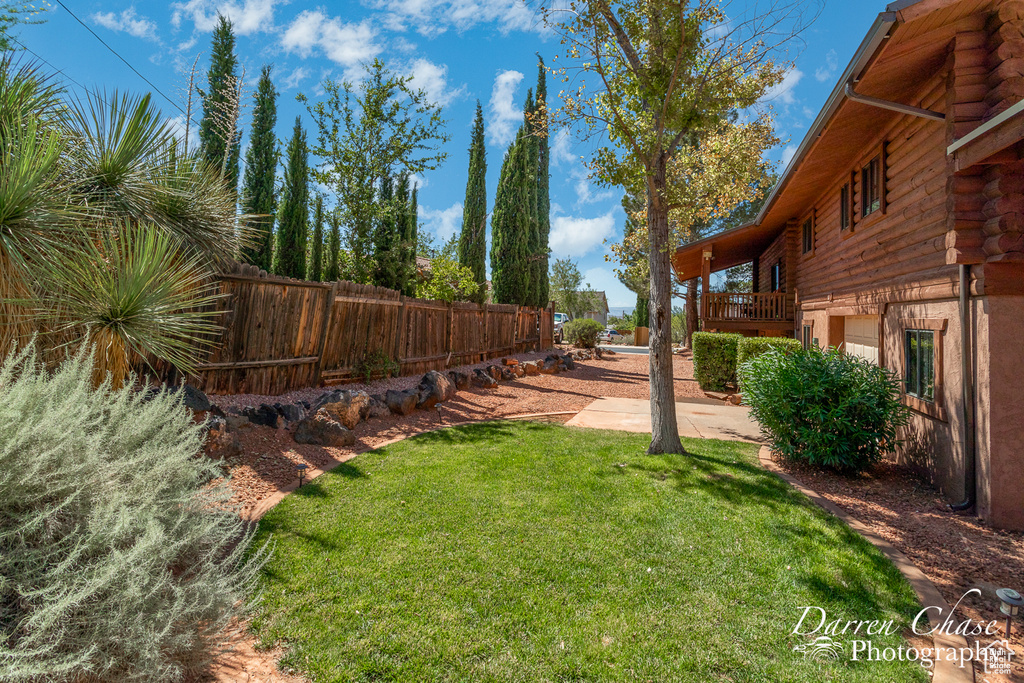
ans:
(769, 258)
(904, 239)
(1005, 43)
(283, 334)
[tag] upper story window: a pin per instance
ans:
(776, 282)
(871, 186)
(845, 207)
(808, 235)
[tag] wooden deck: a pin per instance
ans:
(738, 311)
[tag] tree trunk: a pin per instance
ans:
(664, 431)
(691, 312)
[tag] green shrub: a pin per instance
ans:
(582, 332)
(118, 558)
(824, 407)
(714, 359)
(750, 347)
(377, 364)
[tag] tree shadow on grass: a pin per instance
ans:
(481, 431)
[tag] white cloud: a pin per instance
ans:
(827, 70)
(575, 237)
(247, 17)
(128, 22)
(347, 45)
(442, 223)
(506, 115)
(787, 155)
(561, 148)
(783, 92)
(434, 17)
(604, 280)
(585, 193)
(293, 79)
(433, 78)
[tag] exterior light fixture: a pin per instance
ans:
(440, 417)
(301, 469)
(1010, 603)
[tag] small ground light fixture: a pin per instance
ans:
(440, 417)
(1010, 603)
(301, 469)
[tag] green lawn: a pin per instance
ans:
(511, 551)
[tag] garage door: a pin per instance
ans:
(861, 336)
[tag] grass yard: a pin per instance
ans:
(511, 551)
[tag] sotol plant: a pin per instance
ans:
(118, 560)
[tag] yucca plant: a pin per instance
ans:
(109, 230)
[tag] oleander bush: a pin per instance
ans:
(751, 347)
(827, 408)
(714, 359)
(119, 559)
(582, 332)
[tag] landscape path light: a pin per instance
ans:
(301, 469)
(440, 417)
(1010, 603)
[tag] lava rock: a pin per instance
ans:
(568, 362)
(193, 398)
(434, 388)
(484, 379)
(264, 415)
(323, 430)
(532, 367)
(401, 402)
(350, 408)
(378, 407)
(494, 371)
(550, 366)
(507, 374)
(459, 378)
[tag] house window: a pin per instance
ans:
(845, 208)
(808, 235)
(807, 336)
(871, 186)
(919, 373)
(776, 276)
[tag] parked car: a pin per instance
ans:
(609, 336)
(560, 319)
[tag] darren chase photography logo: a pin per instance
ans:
(837, 639)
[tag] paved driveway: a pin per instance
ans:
(697, 418)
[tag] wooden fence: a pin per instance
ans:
(282, 334)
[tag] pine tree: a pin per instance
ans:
(315, 267)
(333, 271)
(410, 237)
(542, 293)
(260, 170)
(294, 209)
(473, 238)
(510, 226)
(219, 136)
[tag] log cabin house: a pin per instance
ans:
(896, 233)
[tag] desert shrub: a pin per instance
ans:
(714, 359)
(582, 332)
(119, 560)
(824, 407)
(751, 347)
(628, 339)
(377, 364)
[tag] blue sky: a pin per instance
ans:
(458, 50)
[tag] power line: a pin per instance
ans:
(127, 63)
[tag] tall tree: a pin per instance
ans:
(333, 271)
(258, 199)
(410, 238)
(540, 130)
(641, 315)
(473, 237)
(510, 225)
(294, 209)
(315, 267)
(219, 135)
(381, 128)
(570, 294)
(388, 259)
(665, 77)
(530, 144)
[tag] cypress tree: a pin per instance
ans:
(387, 254)
(219, 107)
(473, 237)
(531, 223)
(315, 268)
(641, 316)
(410, 237)
(333, 271)
(260, 169)
(294, 210)
(542, 290)
(510, 226)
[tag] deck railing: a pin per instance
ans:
(752, 307)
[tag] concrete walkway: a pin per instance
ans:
(698, 418)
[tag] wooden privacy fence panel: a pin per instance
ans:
(282, 334)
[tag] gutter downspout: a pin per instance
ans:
(970, 468)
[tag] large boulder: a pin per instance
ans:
(434, 388)
(350, 408)
(401, 402)
(484, 379)
(263, 415)
(193, 398)
(568, 362)
(459, 378)
(378, 407)
(532, 367)
(494, 371)
(323, 430)
(518, 370)
(506, 373)
(549, 367)
(291, 412)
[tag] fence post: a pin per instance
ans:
(400, 338)
(451, 331)
(328, 308)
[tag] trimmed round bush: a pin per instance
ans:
(751, 347)
(582, 332)
(119, 559)
(826, 408)
(714, 359)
